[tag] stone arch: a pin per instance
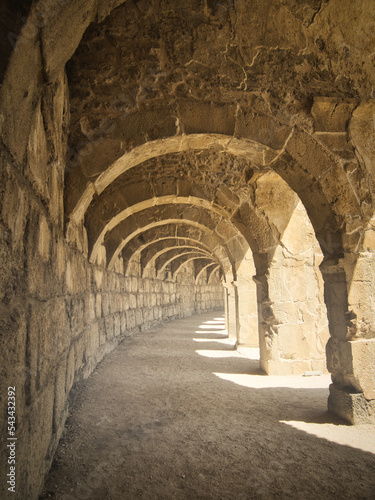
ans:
(148, 251)
(195, 225)
(163, 200)
(176, 259)
(311, 126)
(183, 247)
(250, 150)
(209, 269)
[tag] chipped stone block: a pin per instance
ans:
(331, 115)
(351, 364)
(352, 407)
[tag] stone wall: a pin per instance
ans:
(60, 315)
(205, 128)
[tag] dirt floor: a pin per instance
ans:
(177, 413)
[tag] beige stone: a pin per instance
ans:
(159, 160)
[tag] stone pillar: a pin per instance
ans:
(265, 321)
(248, 334)
(349, 295)
(226, 307)
(231, 316)
(293, 326)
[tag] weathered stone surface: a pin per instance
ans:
(121, 128)
(63, 24)
(351, 366)
(352, 407)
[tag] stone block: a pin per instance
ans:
(351, 406)
(59, 409)
(132, 301)
(130, 319)
(40, 420)
(90, 308)
(79, 354)
(146, 285)
(140, 300)
(70, 370)
(105, 305)
(114, 303)
(15, 370)
(109, 327)
(207, 118)
(98, 306)
(336, 142)
(56, 202)
(14, 209)
(261, 128)
(19, 103)
(63, 29)
(117, 324)
(102, 332)
(37, 155)
(60, 258)
(123, 322)
(138, 317)
(134, 284)
(125, 302)
(331, 115)
(284, 367)
(48, 338)
(128, 283)
(76, 315)
(98, 277)
(92, 339)
(351, 364)
(363, 355)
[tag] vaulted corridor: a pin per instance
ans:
(164, 159)
(177, 413)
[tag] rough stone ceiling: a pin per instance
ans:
(170, 101)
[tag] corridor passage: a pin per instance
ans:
(178, 413)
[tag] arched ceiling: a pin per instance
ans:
(155, 250)
(178, 110)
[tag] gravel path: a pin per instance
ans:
(177, 413)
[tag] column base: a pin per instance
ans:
(352, 407)
(291, 366)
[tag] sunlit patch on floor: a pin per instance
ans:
(226, 353)
(205, 327)
(226, 341)
(339, 434)
(249, 352)
(265, 382)
(217, 332)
